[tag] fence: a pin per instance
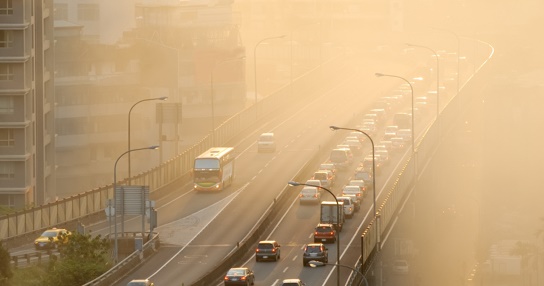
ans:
(407, 177)
(128, 264)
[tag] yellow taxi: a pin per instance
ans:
(51, 238)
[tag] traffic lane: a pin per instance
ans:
(292, 238)
(293, 233)
(311, 117)
(306, 236)
(232, 234)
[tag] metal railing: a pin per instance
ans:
(406, 180)
(125, 266)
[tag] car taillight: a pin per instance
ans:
(226, 278)
(316, 233)
(243, 278)
(273, 250)
(358, 195)
(315, 196)
(331, 233)
(257, 250)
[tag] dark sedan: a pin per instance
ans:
(239, 276)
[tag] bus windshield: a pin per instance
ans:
(206, 176)
(206, 163)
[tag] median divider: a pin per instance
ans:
(275, 210)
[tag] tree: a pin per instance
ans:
(5, 267)
(83, 258)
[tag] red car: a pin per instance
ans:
(324, 232)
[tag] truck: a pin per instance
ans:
(329, 214)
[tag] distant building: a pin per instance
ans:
(27, 103)
(97, 84)
(102, 21)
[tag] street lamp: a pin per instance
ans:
(116, 249)
(255, 65)
(148, 99)
(215, 64)
(437, 77)
(413, 115)
(458, 53)
(292, 183)
(314, 264)
(334, 128)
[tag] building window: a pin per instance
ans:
(61, 11)
(6, 137)
(6, 7)
(6, 39)
(87, 12)
(7, 104)
(7, 170)
(6, 72)
(7, 201)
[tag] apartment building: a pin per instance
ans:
(27, 117)
(103, 21)
(99, 81)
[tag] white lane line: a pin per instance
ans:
(225, 202)
(285, 269)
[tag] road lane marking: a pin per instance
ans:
(217, 207)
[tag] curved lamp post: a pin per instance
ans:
(116, 249)
(148, 99)
(255, 65)
(413, 115)
(334, 128)
(458, 52)
(314, 264)
(437, 76)
(291, 183)
(215, 64)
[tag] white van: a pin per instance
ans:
(266, 142)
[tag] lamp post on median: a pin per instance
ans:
(212, 91)
(458, 55)
(129, 112)
(116, 248)
(291, 183)
(413, 115)
(334, 128)
(314, 264)
(255, 66)
(437, 77)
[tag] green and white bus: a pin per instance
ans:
(213, 170)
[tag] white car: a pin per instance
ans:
(309, 195)
(315, 182)
(349, 205)
(292, 282)
(405, 134)
(390, 132)
(385, 144)
(354, 191)
(359, 183)
(325, 176)
(328, 166)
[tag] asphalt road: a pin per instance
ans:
(223, 219)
